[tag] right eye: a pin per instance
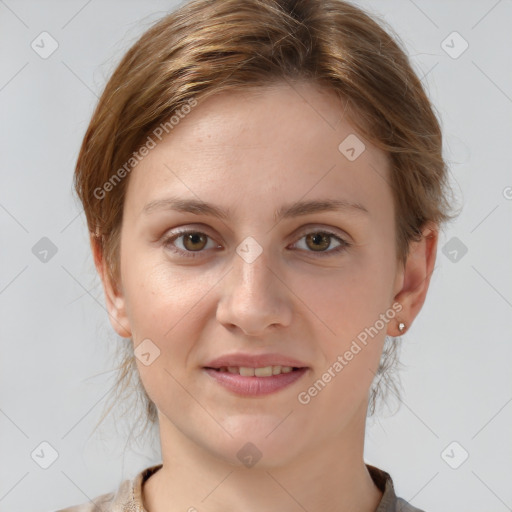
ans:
(192, 242)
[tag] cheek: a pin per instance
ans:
(170, 305)
(350, 336)
(165, 307)
(349, 304)
(347, 299)
(160, 301)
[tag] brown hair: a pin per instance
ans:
(209, 46)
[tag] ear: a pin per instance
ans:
(413, 280)
(114, 299)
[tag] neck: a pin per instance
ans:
(330, 476)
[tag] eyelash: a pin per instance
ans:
(167, 242)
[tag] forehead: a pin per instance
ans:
(272, 143)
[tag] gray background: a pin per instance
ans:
(56, 340)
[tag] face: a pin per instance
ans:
(296, 285)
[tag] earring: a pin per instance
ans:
(401, 327)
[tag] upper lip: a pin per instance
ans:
(254, 361)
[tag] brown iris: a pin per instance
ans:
(194, 241)
(319, 241)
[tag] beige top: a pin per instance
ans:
(128, 497)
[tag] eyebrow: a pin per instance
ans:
(296, 209)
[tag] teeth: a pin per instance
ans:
(266, 371)
(263, 372)
(246, 372)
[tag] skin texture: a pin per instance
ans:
(253, 152)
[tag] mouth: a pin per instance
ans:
(247, 381)
(265, 371)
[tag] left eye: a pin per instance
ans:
(195, 241)
(320, 241)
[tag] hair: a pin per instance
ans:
(206, 47)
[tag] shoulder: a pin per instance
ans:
(102, 503)
(114, 501)
(390, 502)
(127, 498)
(404, 506)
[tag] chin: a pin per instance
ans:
(261, 446)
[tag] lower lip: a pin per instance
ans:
(255, 386)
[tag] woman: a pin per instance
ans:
(264, 187)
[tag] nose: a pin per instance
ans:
(254, 297)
